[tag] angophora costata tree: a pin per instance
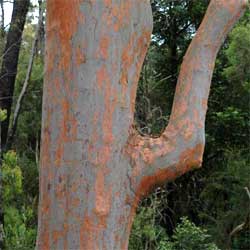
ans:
(94, 165)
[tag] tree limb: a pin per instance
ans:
(180, 147)
(243, 225)
(10, 60)
(2, 18)
(26, 82)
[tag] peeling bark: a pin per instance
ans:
(94, 166)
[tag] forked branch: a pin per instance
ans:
(180, 148)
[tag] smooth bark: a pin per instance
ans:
(94, 166)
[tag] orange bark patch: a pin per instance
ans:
(189, 159)
(46, 141)
(80, 57)
(65, 27)
(204, 104)
(87, 234)
(110, 102)
(44, 240)
(44, 214)
(67, 130)
(148, 156)
(60, 189)
(118, 14)
(136, 48)
(189, 130)
(57, 234)
(229, 5)
(45, 186)
(101, 77)
(107, 3)
(104, 46)
(68, 125)
(103, 195)
(179, 108)
(59, 153)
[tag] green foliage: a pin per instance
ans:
(186, 236)
(29, 123)
(19, 233)
(30, 181)
(3, 115)
(230, 114)
(175, 23)
(213, 198)
(225, 200)
(238, 55)
(145, 230)
(20, 168)
(12, 178)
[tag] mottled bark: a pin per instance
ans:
(94, 165)
(10, 60)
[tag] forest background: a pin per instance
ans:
(206, 209)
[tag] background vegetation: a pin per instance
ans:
(207, 209)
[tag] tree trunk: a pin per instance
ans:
(10, 60)
(2, 20)
(17, 110)
(94, 166)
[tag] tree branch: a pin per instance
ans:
(180, 148)
(243, 225)
(16, 114)
(2, 18)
